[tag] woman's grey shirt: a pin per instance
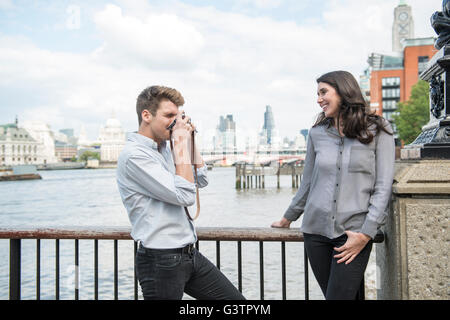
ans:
(346, 185)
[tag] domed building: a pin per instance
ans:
(112, 140)
(18, 147)
(41, 132)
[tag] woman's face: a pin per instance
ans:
(328, 99)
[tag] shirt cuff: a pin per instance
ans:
(291, 215)
(370, 228)
(202, 176)
(182, 183)
(203, 169)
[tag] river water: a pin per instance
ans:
(91, 198)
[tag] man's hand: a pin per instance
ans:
(198, 159)
(181, 135)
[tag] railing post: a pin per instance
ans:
(306, 271)
(238, 176)
(278, 175)
(218, 235)
(261, 269)
(361, 292)
(14, 269)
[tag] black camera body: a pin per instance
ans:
(170, 127)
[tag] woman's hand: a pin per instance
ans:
(283, 223)
(356, 241)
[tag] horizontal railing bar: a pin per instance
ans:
(123, 233)
(69, 232)
(249, 234)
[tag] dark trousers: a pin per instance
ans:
(337, 281)
(166, 274)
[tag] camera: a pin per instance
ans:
(170, 127)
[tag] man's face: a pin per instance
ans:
(166, 113)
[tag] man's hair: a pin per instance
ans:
(150, 98)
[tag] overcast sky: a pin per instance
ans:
(70, 63)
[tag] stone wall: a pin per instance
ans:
(413, 260)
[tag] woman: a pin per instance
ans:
(346, 185)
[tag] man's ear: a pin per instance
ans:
(147, 116)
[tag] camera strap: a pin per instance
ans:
(195, 173)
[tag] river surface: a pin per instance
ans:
(91, 198)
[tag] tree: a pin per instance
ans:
(89, 154)
(414, 113)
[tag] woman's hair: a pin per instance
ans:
(354, 111)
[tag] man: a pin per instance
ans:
(156, 185)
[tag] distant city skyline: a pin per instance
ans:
(73, 64)
(226, 125)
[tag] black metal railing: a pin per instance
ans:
(239, 235)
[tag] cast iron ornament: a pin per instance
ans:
(440, 21)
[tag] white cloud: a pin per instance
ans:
(222, 62)
(6, 4)
(261, 4)
(162, 40)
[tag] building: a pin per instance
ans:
(296, 146)
(364, 84)
(305, 132)
(67, 132)
(393, 75)
(269, 139)
(403, 26)
(41, 132)
(225, 138)
(83, 141)
(300, 143)
(65, 152)
(269, 124)
(112, 140)
(18, 147)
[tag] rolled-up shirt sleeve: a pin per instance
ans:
(153, 180)
(384, 166)
(297, 205)
(202, 176)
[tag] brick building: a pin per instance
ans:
(393, 76)
(390, 77)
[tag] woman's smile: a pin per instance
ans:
(328, 99)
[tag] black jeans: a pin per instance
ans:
(166, 274)
(337, 281)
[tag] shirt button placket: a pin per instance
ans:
(338, 178)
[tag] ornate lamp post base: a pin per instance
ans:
(434, 141)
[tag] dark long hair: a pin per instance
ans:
(354, 110)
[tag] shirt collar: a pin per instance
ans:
(137, 137)
(332, 130)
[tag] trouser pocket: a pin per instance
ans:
(161, 276)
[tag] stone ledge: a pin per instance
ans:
(423, 177)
